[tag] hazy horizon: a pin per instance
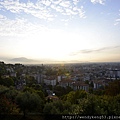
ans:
(60, 30)
(26, 61)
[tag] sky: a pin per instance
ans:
(60, 30)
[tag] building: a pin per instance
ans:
(65, 83)
(75, 85)
(50, 81)
(59, 78)
(80, 86)
(98, 84)
(115, 73)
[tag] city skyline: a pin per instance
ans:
(60, 30)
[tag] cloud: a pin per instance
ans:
(98, 1)
(68, 8)
(37, 10)
(65, 4)
(46, 3)
(57, 8)
(93, 50)
(10, 27)
(75, 2)
(47, 10)
(56, 1)
(43, 9)
(117, 21)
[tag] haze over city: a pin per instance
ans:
(60, 30)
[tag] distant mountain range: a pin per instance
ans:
(24, 60)
(31, 61)
(21, 59)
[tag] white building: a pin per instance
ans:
(80, 86)
(50, 81)
(65, 83)
(75, 85)
(98, 84)
(38, 78)
(59, 78)
(115, 73)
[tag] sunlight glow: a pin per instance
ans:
(53, 44)
(63, 30)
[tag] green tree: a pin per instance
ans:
(37, 87)
(50, 109)
(30, 80)
(11, 94)
(73, 96)
(7, 106)
(87, 106)
(60, 91)
(67, 107)
(57, 107)
(99, 92)
(7, 81)
(29, 102)
(34, 90)
(96, 105)
(2, 69)
(113, 88)
(116, 104)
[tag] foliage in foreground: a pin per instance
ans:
(32, 100)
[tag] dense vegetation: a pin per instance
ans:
(32, 99)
